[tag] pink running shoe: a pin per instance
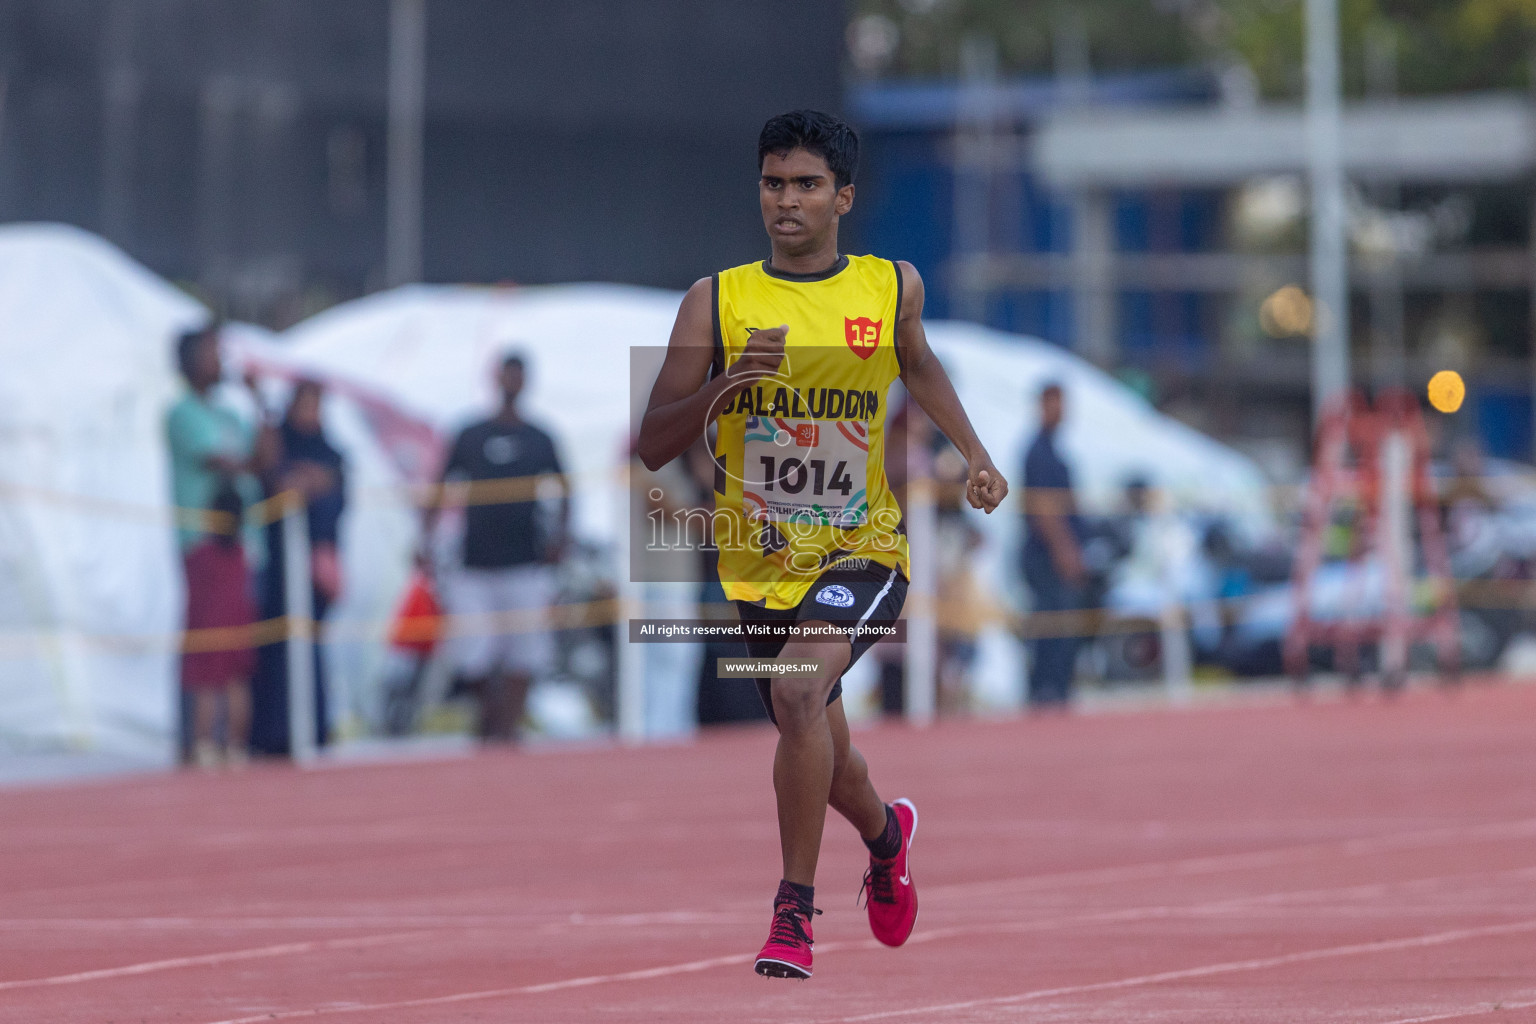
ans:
(787, 953)
(892, 898)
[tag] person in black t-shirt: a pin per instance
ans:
(506, 581)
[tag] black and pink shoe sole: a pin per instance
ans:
(780, 969)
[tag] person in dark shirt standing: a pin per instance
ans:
(309, 465)
(1053, 562)
(500, 594)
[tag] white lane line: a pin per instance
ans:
(1490, 832)
(921, 937)
(1241, 904)
(725, 913)
(544, 921)
(202, 960)
(1208, 970)
(497, 993)
(1476, 1011)
(1245, 904)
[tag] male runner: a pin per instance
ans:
(792, 358)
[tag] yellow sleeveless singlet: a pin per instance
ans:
(800, 480)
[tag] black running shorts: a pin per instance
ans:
(842, 596)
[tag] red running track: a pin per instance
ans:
(1369, 861)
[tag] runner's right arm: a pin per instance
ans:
(683, 403)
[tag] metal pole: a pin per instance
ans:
(407, 117)
(1387, 316)
(975, 152)
(1396, 540)
(299, 615)
(1173, 617)
(120, 101)
(922, 616)
(1093, 256)
(1531, 330)
(629, 684)
(220, 103)
(1330, 269)
(1530, 253)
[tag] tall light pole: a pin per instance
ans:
(1330, 255)
(407, 116)
(975, 149)
(120, 108)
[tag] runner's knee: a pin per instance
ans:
(797, 702)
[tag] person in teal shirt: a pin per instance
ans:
(211, 443)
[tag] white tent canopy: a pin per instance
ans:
(1109, 435)
(90, 591)
(435, 350)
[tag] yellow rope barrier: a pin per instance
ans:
(1083, 623)
(449, 494)
(1490, 594)
(570, 615)
(504, 491)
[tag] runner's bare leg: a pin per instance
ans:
(853, 796)
(804, 763)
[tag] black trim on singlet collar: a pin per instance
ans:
(820, 275)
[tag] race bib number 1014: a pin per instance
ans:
(806, 471)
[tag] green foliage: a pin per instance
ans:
(1440, 46)
(1437, 46)
(1121, 34)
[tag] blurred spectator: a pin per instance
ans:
(212, 447)
(1053, 562)
(1471, 514)
(305, 463)
(1107, 543)
(216, 668)
(962, 609)
(1135, 508)
(211, 443)
(500, 594)
(1467, 493)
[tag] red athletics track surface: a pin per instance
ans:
(1371, 862)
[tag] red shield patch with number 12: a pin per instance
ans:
(863, 335)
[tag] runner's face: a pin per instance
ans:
(800, 200)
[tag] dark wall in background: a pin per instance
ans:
(240, 144)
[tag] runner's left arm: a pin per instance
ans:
(930, 387)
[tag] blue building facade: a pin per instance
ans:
(908, 209)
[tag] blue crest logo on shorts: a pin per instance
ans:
(836, 596)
